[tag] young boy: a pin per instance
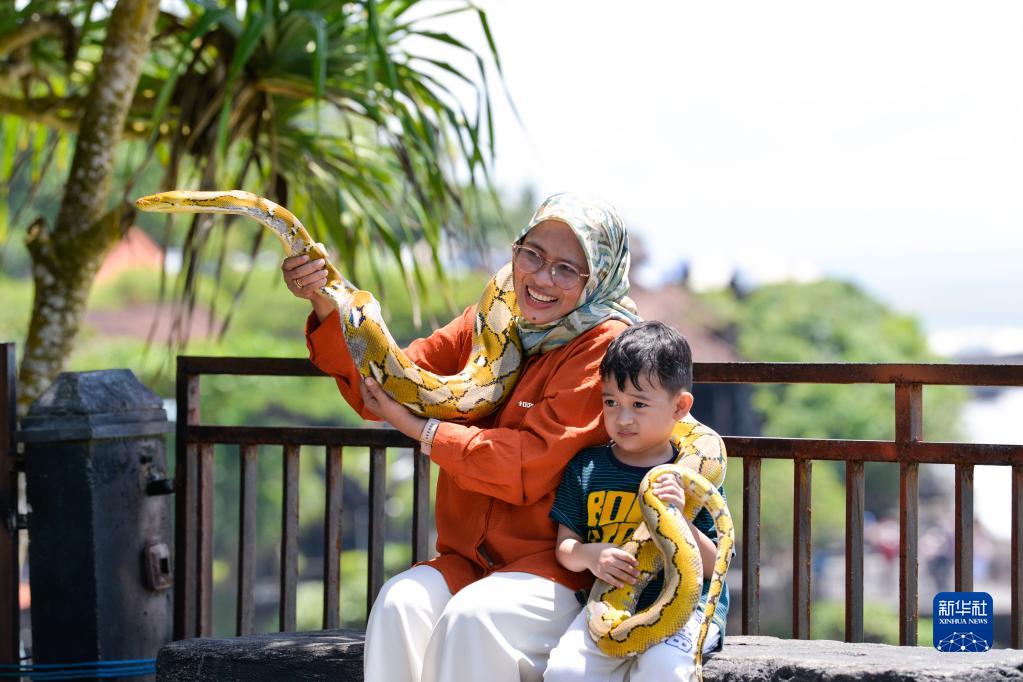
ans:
(647, 376)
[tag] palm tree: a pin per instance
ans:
(345, 112)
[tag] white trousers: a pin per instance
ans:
(577, 657)
(500, 629)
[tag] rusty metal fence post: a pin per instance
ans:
(10, 621)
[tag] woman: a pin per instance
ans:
(495, 601)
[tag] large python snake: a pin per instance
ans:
(496, 358)
(479, 388)
(664, 540)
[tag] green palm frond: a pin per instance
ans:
(366, 118)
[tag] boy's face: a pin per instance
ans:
(640, 418)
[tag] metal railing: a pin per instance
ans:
(908, 450)
(195, 470)
(193, 598)
(194, 482)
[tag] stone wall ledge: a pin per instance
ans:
(770, 658)
(334, 655)
(337, 655)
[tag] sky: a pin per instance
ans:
(880, 142)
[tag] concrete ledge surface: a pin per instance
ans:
(337, 655)
(334, 655)
(772, 659)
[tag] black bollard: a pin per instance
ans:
(100, 519)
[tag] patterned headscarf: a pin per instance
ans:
(602, 236)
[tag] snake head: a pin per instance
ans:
(164, 202)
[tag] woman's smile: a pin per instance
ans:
(540, 299)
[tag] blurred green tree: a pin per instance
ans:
(830, 321)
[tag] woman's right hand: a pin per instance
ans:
(304, 277)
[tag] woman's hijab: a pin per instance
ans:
(605, 242)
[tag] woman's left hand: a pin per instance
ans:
(390, 410)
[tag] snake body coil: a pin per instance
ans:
(479, 388)
(664, 540)
(496, 358)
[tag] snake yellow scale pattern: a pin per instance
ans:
(496, 358)
(479, 388)
(664, 540)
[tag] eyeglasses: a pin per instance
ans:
(564, 275)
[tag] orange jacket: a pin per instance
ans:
(497, 475)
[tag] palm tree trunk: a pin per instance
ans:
(65, 259)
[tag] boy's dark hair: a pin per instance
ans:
(652, 350)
